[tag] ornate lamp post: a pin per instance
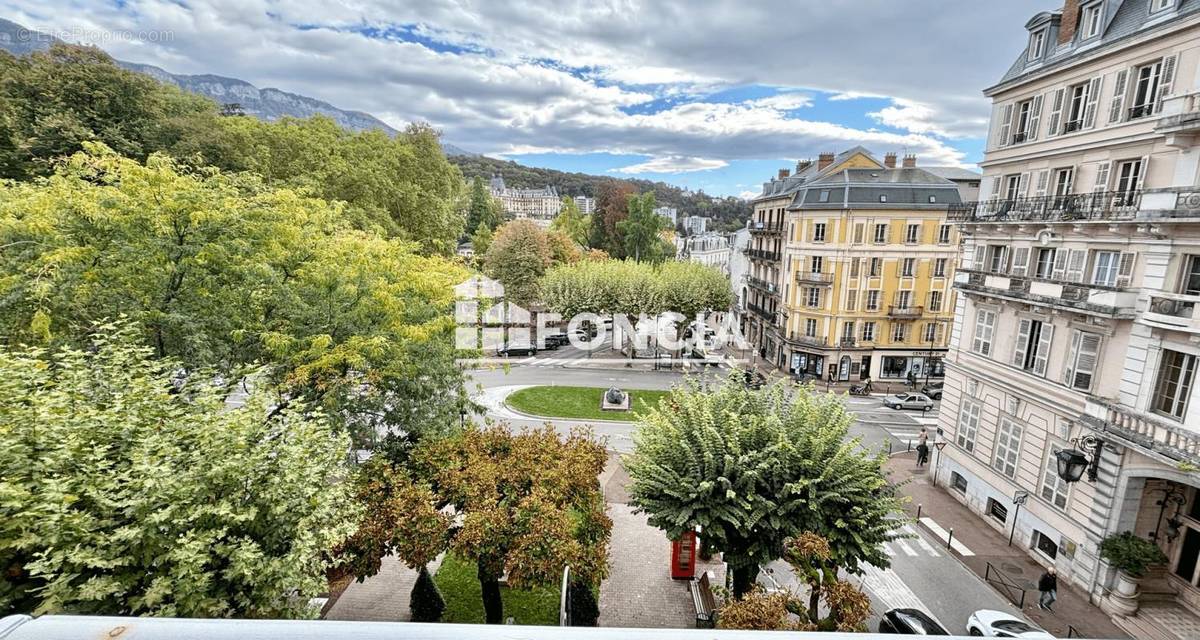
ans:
(1175, 496)
(1073, 462)
(939, 444)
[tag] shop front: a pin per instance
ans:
(807, 363)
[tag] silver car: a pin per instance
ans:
(908, 401)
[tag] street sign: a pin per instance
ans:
(1020, 497)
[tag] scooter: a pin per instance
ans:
(860, 389)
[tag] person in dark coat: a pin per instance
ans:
(922, 454)
(1048, 585)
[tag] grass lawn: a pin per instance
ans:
(464, 600)
(579, 402)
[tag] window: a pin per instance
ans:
(873, 300)
(997, 511)
(810, 327)
(899, 332)
(908, 268)
(824, 196)
(903, 299)
(1045, 545)
(880, 233)
(932, 330)
(1129, 180)
(876, 267)
(1175, 375)
(935, 301)
(944, 234)
(868, 332)
(859, 230)
(1146, 86)
(1105, 270)
(1078, 97)
(932, 199)
(1013, 189)
(853, 267)
(1024, 116)
(1081, 365)
(1160, 5)
(957, 482)
(968, 425)
(912, 233)
(852, 300)
(1037, 45)
(883, 198)
(1008, 447)
(1045, 263)
(1063, 179)
(1191, 276)
(817, 264)
(819, 232)
(1032, 347)
(985, 324)
(939, 268)
(1054, 489)
(848, 331)
(997, 258)
(1091, 18)
(814, 296)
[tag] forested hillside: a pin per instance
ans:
(729, 213)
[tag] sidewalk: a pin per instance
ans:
(976, 544)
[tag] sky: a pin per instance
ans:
(705, 94)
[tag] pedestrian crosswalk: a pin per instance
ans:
(912, 544)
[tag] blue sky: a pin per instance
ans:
(706, 94)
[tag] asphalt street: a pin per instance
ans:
(922, 573)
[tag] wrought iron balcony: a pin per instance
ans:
(1172, 311)
(1096, 299)
(1071, 126)
(848, 343)
(766, 228)
(905, 312)
(761, 312)
(1106, 205)
(808, 277)
(762, 285)
(1019, 137)
(763, 254)
(808, 341)
(1141, 111)
(1152, 433)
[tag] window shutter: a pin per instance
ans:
(1085, 349)
(980, 257)
(1043, 349)
(1166, 83)
(1125, 270)
(995, 188)
(1060, 265)
(1023, 185)
(1035, 118)
(1020, 261)
(1056, 107)
(1075, 264)
(1102, 170)
(1018, 358)
(1144, 168)
(1005, 126)
(1089, 111)
(1116, 108)
(1043, 180)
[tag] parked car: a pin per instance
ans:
(517, 349)
(910, 622)
(908, 401)
(933, 390)
(554, 340)
(997, 624)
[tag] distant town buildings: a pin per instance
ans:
(739, 267)
(712, 249)
(539, 205)
(695, 225)
(670, 213)
(587, 206)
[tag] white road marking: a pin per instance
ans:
(942, 535)
(905, 548)
(887, 548)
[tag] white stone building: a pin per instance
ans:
(539, 205)
(1078, 325)
(670, 213)
(587, 206)
(711, 249)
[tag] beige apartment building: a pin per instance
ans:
(1077, 330)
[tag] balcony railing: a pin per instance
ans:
(1019, 137)
(1149, 432)
(763, 227)
(1072, 126)
(848, 343)
(761, 312)
(1180, 114)
(1172, 311)
(808, 277)
(1100, 299)
(762, 285)
(1139, 111)
(1105, 205)
(763, 254)
(808, 341)
(905, 312)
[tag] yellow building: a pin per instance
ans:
(869, 269)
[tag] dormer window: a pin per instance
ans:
(1037, 45)
(1161, 5)
(1090, 20)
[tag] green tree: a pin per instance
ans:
(612, 206)
(481, 240)
(641, 229)
(484, 210)
(572, 222)
(754, 468)
(563, 249)
(125, 493)
(517, 257)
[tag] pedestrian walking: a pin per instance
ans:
(922, 454)
(922, 437)
(912, 379)
(1048, 585)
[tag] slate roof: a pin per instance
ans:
(909, 189)
(954, 173)
(1123, 19)
(777, 188)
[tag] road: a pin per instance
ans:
(922, 573)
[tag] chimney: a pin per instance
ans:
(1070, 21)
(824, 160)
(802, 165)
(910, 161)
(889, 160)
(783, 173)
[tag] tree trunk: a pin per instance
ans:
(493, 606)
(743, 580)
(814, 601)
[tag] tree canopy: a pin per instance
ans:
(631, 288)
(517, 256)
(754, 468)
(127, 493)
(640, 230)
(572, 222)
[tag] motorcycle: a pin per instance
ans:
(860, 389)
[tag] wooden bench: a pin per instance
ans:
(706, 604)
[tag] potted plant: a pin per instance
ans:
(1131, 556)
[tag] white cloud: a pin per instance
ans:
(748, 195)
(922, 118)
(672, 164)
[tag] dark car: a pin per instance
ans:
(933, 390)
(555, 340)
(910, 622)
(517, 349)
(754, 380)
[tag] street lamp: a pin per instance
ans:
(1073, 462)
(1175, 496)
(939, 444)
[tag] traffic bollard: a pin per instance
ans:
(918, 511)
(950, 538)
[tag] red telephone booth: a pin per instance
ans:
(683, 556)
